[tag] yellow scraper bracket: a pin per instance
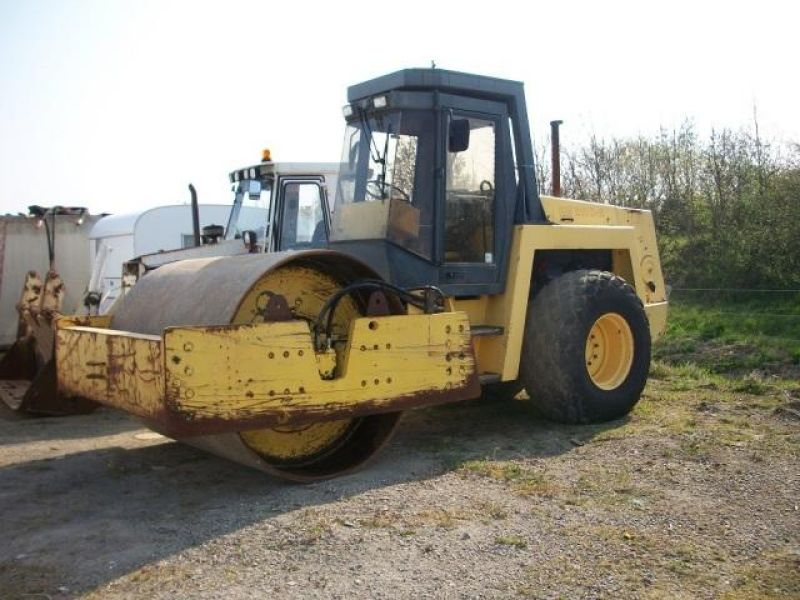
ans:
(198, 380)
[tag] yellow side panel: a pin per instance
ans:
(501, 354)
(235, 373)
(646, 277)
(115, 368)
(657, 316)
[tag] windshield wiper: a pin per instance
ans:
(233, 217)
(365, 126)
(375, 152)
(383, 162)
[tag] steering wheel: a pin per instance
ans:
(486, 186)
(381, 186)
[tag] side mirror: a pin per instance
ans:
(459, 135)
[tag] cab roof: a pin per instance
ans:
(264, 169)
(441, 80)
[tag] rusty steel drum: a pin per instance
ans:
(236, 290)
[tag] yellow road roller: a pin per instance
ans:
(446, 271)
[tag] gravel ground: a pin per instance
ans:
(694, 496)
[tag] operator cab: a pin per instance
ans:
(292, 196)
(428, 183)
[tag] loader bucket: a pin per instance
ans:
(27, 370)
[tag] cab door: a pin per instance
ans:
(302, 208)
(476, 202)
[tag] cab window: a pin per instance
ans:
(470, 193)
(303, 215)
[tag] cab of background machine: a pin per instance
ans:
(428, 179)
(280, 206)
(252, 201)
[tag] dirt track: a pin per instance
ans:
(477, 500)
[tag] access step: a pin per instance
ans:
(485, 330)
(485, 378)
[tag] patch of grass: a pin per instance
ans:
(524, 480)
(772, 575)
(380, 520)
(440, 517)
(705, 414)
(159, 572)
(733, 333)
(610, 488)
(313, 526)
(511, 540)
(493, 510)
(752, 385)
(406, 532)
(683, 376)
(406, 524)
(659, 370)
(494, 469)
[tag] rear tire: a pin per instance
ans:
(586, 350)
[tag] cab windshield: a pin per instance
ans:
(383, 193)
(250, 210)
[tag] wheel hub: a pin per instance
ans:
(609, 351)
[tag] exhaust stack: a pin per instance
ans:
(195, 216)
(555, 156)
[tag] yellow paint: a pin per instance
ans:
(99, 321)
(240, 372)
(609, 351)
(292, 444)
(244, 371)
(306, 291)
(645, 266)
(657, 316)
(577, 225)
(111, 367)
(500, 354)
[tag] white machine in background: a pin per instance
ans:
(276, 206)
(118, 238)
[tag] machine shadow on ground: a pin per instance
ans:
(17, 428)
(82, 519)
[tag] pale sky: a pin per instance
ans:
(119, 105)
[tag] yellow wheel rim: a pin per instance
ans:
(296, 444)
(305, 290)
(609, 351)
